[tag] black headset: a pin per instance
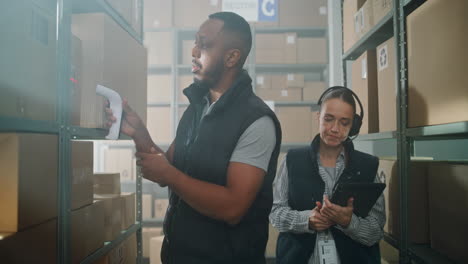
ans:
(357, 120)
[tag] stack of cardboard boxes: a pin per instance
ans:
(28, 197)
(436, 207)
(373, 73)
(107, 189)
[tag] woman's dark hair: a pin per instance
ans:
(342, 93)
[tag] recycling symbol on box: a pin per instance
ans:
(383, 58)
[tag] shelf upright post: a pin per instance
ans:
(63, 38)
(139, 218)
(403, 144)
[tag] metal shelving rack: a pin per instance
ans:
(394, 24)
(66, 132)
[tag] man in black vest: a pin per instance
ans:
(222, 163)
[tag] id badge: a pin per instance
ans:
(327, 251)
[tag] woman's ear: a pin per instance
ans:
(232, 58)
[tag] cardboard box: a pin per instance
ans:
(28, 61)
(128, 210)
(87, 230)
(155, 252)
(160, 124)
(350, 8)
(160, 207)
(111, 57)
(82, 173)
(157, 14)
(131, 249)
(187, 46)
(147, 206)
(283, 95)
(289, 80)
(106, 183)
(147, 234)
(75, 79)
(160, 47)
(448, 209)
(312, 50)
(28, 185)
(184, 82)
(437, 56)
(312, 91)
(386, 79)
(120, 160)
(298, 123)
(159, 88)
(263, 81)
(136, 93)
(191, 14)
(123, 253)
(276, 48)
(380, 9)
(364, 84)
(418, 219)
(303, 13)
(112, 215)
(40, 241)
(366, 20)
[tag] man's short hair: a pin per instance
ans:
(239, 26)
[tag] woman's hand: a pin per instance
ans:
(317, 221)
(338, 214)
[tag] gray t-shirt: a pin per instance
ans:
(256, 144)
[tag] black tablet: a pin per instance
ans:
(365, 195)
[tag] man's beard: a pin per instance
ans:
(212, 77)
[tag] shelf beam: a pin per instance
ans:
(290, 68)
(457, 130)
(376, 36)
(92, 133)
(108, 246)
(377, 136)
(10, 124)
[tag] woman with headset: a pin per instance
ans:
(312, 229)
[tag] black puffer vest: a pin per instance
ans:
(203, 150)
(306, 187)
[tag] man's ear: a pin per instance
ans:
(232, 58)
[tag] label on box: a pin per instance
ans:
(290, 77)
(248, 9)
(260, 80)
(214, 2)
(357, 21)
(291, 39)
(364, 69)
(323, 10)
(383, 57)
(284, 92)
